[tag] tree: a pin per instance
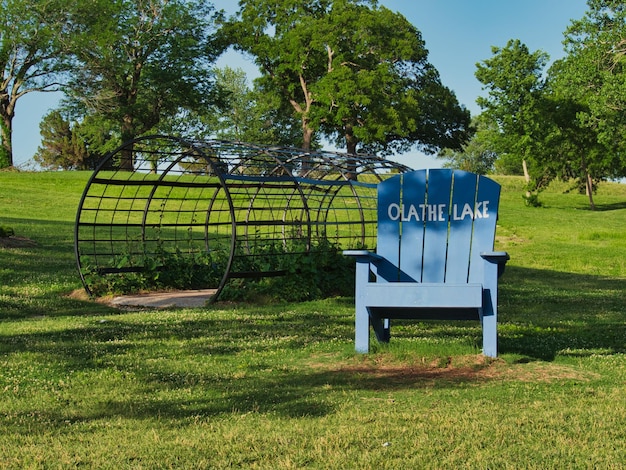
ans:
(513, 78)
(573, 150)
(60, 147)
(516, 107)
(73, 146)
(350, 70)
(249, 115)
(30, 58)
(379, 89)
(138, 61)
(241, 114)
(477, 155)
(592, 80)
(274, 33)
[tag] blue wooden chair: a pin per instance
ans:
(434, 257)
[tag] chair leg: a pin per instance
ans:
(489, 322)
(361, 330)
(387, 329)
(490, 336)
(381, 327)
(361, 317)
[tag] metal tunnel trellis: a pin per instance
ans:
(222, 204)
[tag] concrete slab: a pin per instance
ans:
(185, 298)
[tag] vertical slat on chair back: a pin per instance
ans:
(414, 189)
(461, 226)
(488, 195)
(433, 225)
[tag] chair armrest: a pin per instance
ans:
(497, 257)
(363, 255)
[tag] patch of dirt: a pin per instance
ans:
(383, 372)
(167, 299)
(507, 241)
(462, 369)
(16, 242)
(79, 294)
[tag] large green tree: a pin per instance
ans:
(592, 79)
(137, 61)
(352, 70)
(29, 58)
(513, 78)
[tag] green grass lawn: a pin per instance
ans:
(279, 386)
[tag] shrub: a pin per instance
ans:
(316, 272)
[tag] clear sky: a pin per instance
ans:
(458, 34)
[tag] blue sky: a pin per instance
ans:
(458, 34)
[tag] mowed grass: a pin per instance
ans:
(279, 386)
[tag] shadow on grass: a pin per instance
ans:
(35, 279)
(542, 314)
(217, 361)
(297, 393)
(609, 207)
(546, 313)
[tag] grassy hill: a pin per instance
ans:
(279, 385)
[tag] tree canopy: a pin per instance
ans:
(592, 77)
(135, 62)
(513, 79)
(352, 71)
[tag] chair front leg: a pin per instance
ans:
(361, 319)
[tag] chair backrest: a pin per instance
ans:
(433, 225)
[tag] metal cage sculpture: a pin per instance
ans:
(223, 203)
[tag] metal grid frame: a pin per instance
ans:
(228, 200)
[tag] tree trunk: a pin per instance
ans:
(6, 134)
(526, 175)
(307, 135)
(588, 183)
(589, 190)
(351, 143)
(127, 162)
(307, 138)
(307, 131)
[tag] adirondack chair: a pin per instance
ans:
(434, 257)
